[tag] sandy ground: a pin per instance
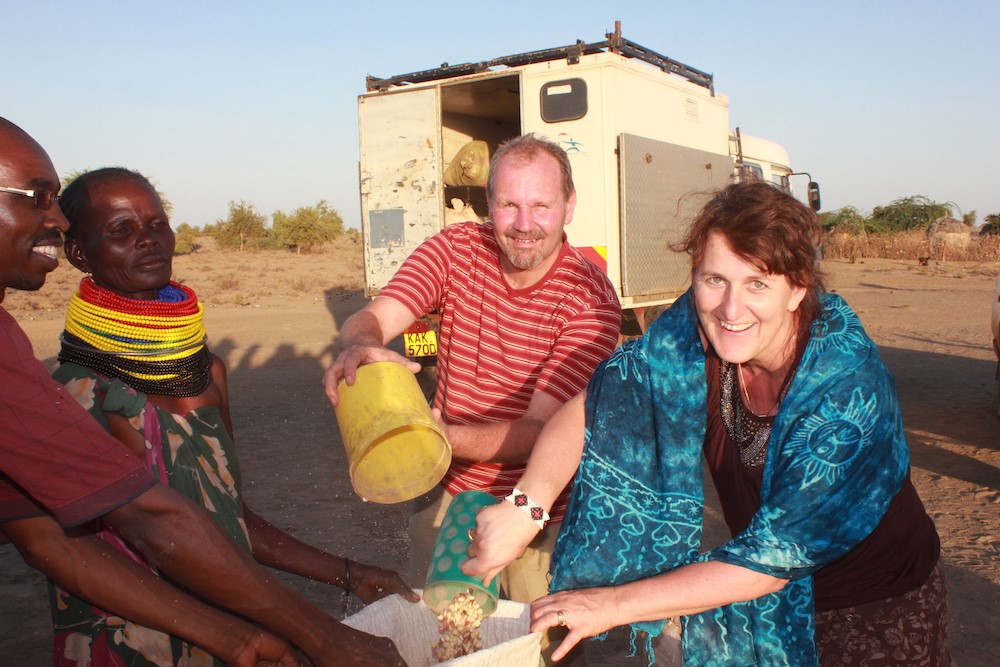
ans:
(273, 317)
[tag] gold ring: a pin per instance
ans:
(561, 617)
(469, 534)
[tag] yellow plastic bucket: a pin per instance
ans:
(395, 448)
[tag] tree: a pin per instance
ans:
(243, 227)
(847, 220)
(308, 227)
(907, 213)
(186, 236)
(991, 224)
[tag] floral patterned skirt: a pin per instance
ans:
(911, 629)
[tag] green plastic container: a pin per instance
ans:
(445, 578)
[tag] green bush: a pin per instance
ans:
(308, 227)
(186, 239)
(244, 228)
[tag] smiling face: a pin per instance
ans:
(122, 236)
(529, 211)
(747, 314)
(29, 236)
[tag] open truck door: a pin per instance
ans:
(401, 193)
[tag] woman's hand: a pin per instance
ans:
(584, 613)
(372, 583)
(501, 534)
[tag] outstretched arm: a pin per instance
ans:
(689, 589)
(184, 543)
(89, 568)
(502, 530)
(277, 549)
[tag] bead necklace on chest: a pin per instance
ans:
(747, 429)
(156, 346)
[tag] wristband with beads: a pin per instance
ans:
(535, 512)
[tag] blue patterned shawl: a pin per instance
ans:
(836, 458)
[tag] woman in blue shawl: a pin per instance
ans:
(774, 382)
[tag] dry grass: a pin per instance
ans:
(912, 244)
(226, 278)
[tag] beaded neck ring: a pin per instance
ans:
(156, 346)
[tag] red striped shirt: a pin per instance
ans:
(499, 345)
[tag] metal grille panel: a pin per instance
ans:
(662, 188)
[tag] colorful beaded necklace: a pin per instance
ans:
(156, 346)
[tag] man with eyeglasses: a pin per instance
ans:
(43, 198)
(59, 469)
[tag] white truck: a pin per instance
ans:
(648, 137)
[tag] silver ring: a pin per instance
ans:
(469, 534)
(561, 617)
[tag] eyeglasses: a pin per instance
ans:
(43, 198)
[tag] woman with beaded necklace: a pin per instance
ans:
(833, 559)
(135, 354)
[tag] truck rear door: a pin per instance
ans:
(662, 187)
(401, 192)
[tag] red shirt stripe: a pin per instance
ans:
(499, 345)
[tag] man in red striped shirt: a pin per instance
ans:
(525, 319)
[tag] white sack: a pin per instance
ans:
(414, 629)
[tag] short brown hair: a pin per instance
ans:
(528, 146)
(768, 228)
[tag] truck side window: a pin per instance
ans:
(564, 100)
(750, 171)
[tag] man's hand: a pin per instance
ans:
(362, 341)
(345, 366)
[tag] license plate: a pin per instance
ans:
(420, 344)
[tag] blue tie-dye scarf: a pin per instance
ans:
(836, 457)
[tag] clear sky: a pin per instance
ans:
(223, 101)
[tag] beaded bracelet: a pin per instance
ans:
(524, 502)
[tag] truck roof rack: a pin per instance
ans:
(613, 43)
